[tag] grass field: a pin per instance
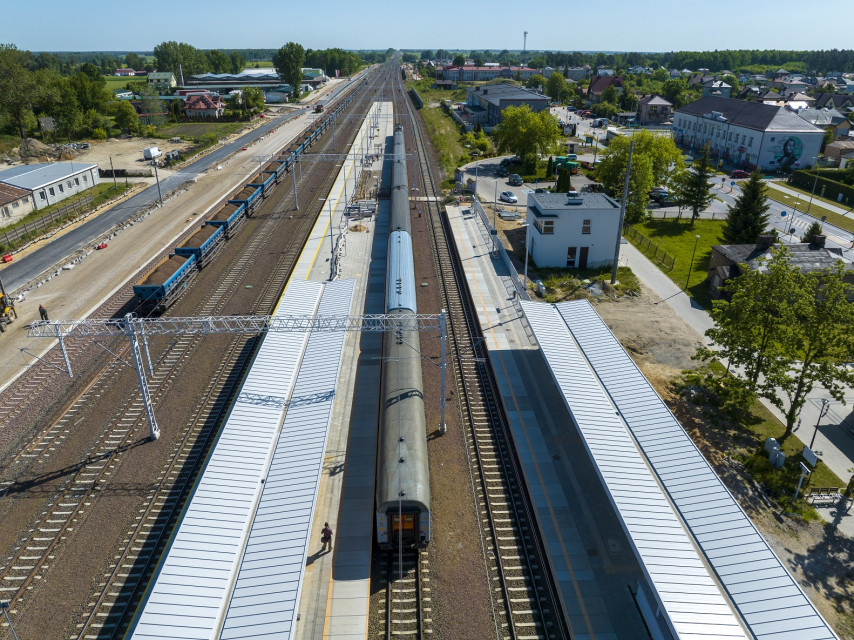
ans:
(198, 129)
(677, 238)
(116, 82)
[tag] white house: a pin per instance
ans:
(15, 204)
(749, 134)
(577, 232)
(162, 80)
(50, 183)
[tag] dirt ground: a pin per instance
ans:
(816, 552)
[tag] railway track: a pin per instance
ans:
(408, 599)
(524, 598)
(106, 615)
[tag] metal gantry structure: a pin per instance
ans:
(137, 330)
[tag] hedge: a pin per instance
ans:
(826, 187)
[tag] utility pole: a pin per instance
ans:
(622, 214)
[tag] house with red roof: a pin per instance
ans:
(205, 106)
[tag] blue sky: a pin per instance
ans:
(615, 25)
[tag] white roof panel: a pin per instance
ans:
(717, 522)
(208, 546)
(652, 526)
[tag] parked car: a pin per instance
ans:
(740, 173)
(653, 192)
(502, 172)
(516, 180)
(541, 190)
(668, 201)
(508, 196)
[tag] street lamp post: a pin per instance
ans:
(691, 265)
(476, 155)
(825, 405)
(814, 184)
(527, 227)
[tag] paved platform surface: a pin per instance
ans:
(336, 587)
(588, 551)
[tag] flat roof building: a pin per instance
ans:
(576, 232)
(50, 183)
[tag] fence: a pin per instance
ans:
(502, 252)
(46, 222)
(416, 99)
(649, 248)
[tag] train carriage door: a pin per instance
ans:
(404, 527)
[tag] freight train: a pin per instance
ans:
(403, 475)
(165, 283)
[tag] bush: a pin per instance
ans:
(99, 134)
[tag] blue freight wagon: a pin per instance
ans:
(203, 244)
(229, 215)
(250, 196)
(163, 284)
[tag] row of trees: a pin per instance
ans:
(174, 56)
(331, 60)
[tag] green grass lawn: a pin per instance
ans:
(677, 238)
(198, 129)
(445, 135)
(815, 209)
(120, 82)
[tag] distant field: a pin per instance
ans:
(261, 64)
(199, 129)
(116, 82)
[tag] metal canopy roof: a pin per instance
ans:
(770, 601)
(266, 594)
(693, 602)
(193, 585)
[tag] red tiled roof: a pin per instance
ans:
(202, 103)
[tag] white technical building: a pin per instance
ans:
(576, 232)
(50, 183)
(749, 134)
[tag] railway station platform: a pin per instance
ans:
(590, 555)
(297, 450)
(634, 518)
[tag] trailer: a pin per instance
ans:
(203, 244)
(250, 195)
(163, 284)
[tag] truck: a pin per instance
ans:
(150, 153)
(318, 108)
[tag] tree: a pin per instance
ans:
(237, 63)
(535, 81)
(427, 54)
(812, 233)
(253, 99)
(288, 62)
(673, 90)
(815, 342)
(693, 189)
(125, 116)
(179, 57)
(526, 133)
(555, 85)
(748, 217)
(459, 60)
(564, 181)
(478, 62)
(609, 95)
(18, 86)
(134, 61)
(550, 169)
(628, 101)
(218, 62)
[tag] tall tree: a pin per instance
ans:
(125, 116)
(459, 60)
(816, 342)
(18, 87)
(218, 62)
(237, 63)
(134, 61)
(288, 61)
(555, 85)
(694, 190)
(535, 81)
(526, 133)
(748, 218)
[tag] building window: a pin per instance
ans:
(585, 226)
(6, 213)
(41, 193)
(570, 256)
(15, 205)
(51, 191)
(68, 184)
(545, 226)
(61, 190)
(751, 142)
(77, 181)
(85, 178)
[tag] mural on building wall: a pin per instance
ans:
(787, 152)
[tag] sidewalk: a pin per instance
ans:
(834, 441)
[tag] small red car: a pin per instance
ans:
(103, 245)
(740, 173)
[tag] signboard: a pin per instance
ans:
(588, 140)
(810, 457)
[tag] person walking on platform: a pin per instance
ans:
(43, 313)
(326, 537)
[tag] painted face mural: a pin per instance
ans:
(788, 151)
